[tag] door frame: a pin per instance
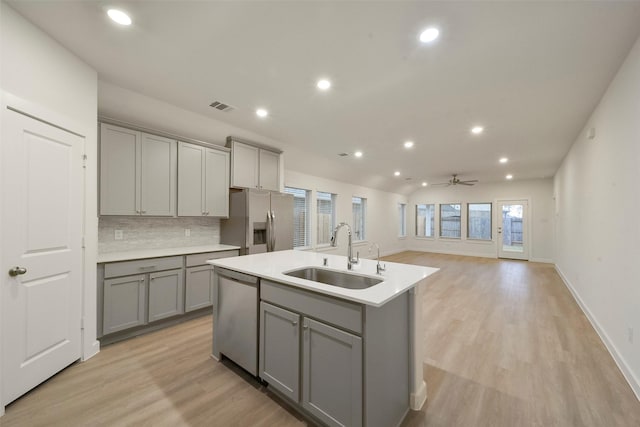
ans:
(90, 346)
(527, 215)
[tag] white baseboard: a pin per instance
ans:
(544, 260)
(93, 350)
(613, 351)
(462, 253)
(417, 399)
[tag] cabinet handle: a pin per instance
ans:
(294, 322)
(206, 213)
(138, 212)
(141, 280)
(153, 278)
(144, 212)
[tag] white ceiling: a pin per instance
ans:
(529, 72)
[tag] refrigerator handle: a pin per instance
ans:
(269, 220)
(273, 231)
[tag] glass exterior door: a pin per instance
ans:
(513, 229)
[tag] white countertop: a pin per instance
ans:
(398, 278)
(154, 253)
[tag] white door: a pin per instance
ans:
(41, 277)
(513, 236)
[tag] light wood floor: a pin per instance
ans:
(505, 345)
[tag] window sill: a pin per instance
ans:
(453, 239)
(303, 248)
(360, 243)
(324, 248)
(402, 237)
(424, 238)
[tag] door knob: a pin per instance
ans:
(16, 271)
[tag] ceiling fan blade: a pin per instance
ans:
(470, 180)
(466, 183)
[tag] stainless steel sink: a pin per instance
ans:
(334, 278)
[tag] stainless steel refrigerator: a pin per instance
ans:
(259, 221)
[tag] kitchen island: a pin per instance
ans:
(340, 355)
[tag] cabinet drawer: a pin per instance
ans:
(125, 268)
(201, 259)
(334, 311)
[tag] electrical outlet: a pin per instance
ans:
(119, 235)
(630, 334)
(187, 232)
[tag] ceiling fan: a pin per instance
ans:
(455, 181)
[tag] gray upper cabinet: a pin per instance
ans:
(216, 201)
(119, 170)
(245, 160)
(269, 170)
(138, 173)
(254, 167)
(203, 181)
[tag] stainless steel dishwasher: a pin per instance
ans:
(238, 318)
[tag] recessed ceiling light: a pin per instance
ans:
(509, 176)
(358, 154)
(477, 130)
(119, 16)
(261, 112)
(397, 173)
(323, 84)
(424, 184)
(408, 144)
(503, 160)
(429, 35)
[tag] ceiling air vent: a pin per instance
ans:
(222, 107)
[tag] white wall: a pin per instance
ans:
(381, 213)
(538, 192)
(42, 73)
(597, 190)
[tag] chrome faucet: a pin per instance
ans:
(334, 241)
(379, 267)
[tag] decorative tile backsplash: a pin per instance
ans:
(155, 233)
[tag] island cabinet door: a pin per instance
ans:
(331, 374)
(280, 350)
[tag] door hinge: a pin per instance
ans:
(84, 161)
(83, 242)
(82, 323)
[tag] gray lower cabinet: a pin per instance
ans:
(280, 349)
(331, 374)
(124, 303)
(319, 366)
(198, 287)
(166, 290)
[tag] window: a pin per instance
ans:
(300, 216)
(450, 220)
(479, 221)
(402, 215)
(359, 205)
(425, 220)
(326, 216)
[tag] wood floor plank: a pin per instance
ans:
(504, 343)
